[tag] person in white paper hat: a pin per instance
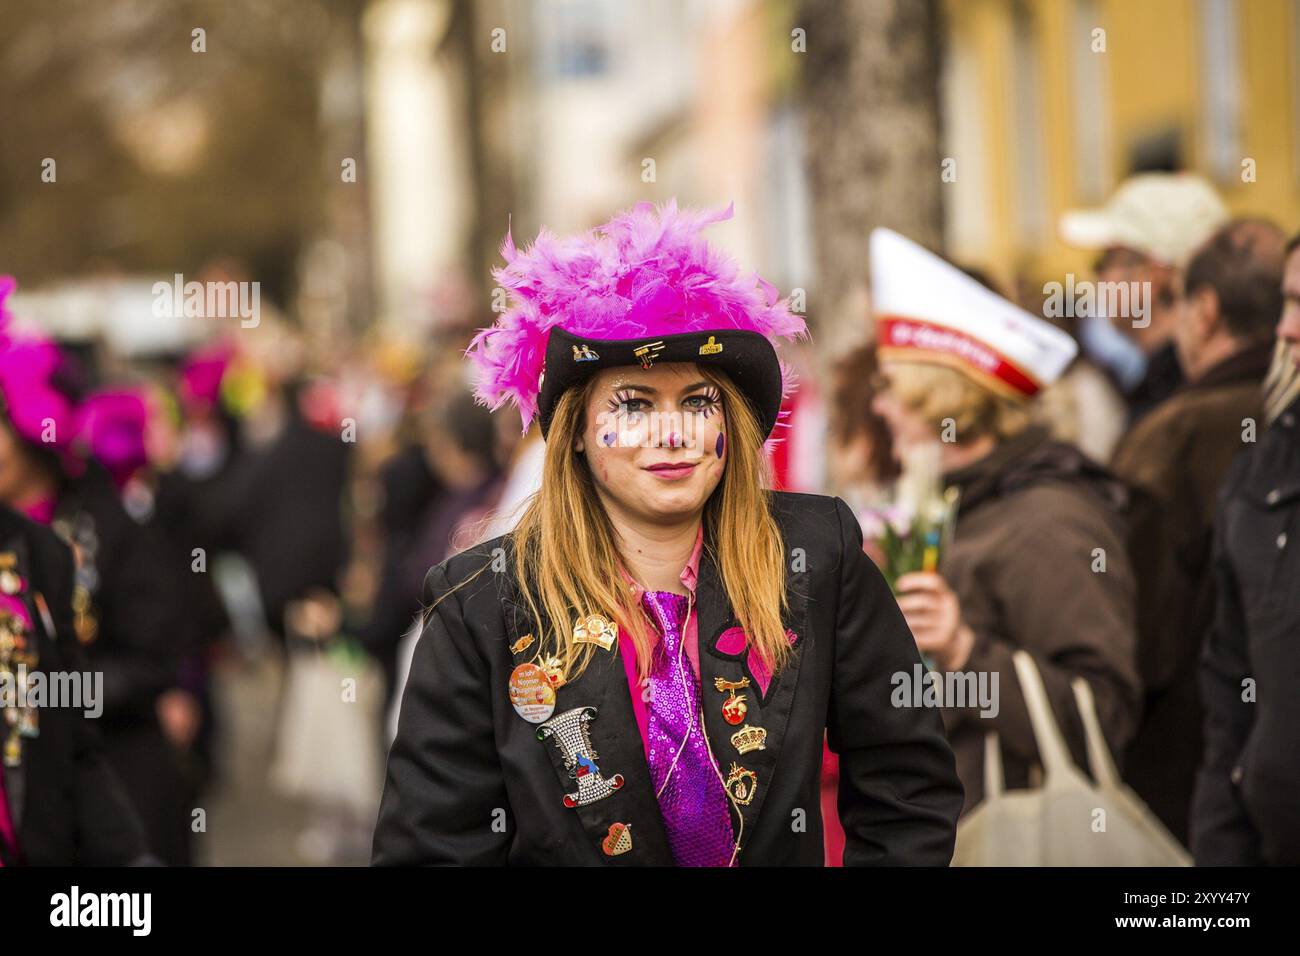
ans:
(961, 367)
(1145, 233)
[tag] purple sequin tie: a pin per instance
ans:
(695, 809)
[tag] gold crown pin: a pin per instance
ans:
(749, 738)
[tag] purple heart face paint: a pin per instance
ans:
(609, 438)
(721, 445)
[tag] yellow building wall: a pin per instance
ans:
(1153, 76)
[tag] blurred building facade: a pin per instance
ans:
(1049, 104)
(462, 118)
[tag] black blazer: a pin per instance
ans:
(67, 804)
(469, 782)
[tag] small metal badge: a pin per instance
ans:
(749, 738)
(521, 645)
(734, 707)
(619, 840)
(10, 582)
(711, 347)
(649, 352)
(595, 629)
(573, 737)
(553, 668)
(584, 353)
(741, 784)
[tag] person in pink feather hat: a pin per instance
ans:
(643, 671)
(61, 803)
(57, 445)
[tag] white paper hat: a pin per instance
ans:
(928, 310)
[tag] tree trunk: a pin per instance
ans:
(870, 89)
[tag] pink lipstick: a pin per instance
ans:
(671, 471)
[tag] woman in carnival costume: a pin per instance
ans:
(128, 614)
(643, 670)
(60, 802)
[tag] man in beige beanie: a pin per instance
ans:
(1146, 234)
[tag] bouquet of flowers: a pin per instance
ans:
(912, 531)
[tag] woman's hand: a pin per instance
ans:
(933, 613)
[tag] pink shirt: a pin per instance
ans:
(691, 638)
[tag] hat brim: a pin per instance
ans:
(748, 358)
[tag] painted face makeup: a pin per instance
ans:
(653, 439)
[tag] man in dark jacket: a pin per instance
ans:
(64, 803)
(1146, 234)
(1245, 807)
(1175, 458)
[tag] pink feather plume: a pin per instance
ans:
(647, 272)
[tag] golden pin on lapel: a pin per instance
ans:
(594, 629)
(749, 738)
(741, 784)
(734, 707)
(619, 840)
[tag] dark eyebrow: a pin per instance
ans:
(654, 391)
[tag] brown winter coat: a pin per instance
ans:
(1032, 515)
(1174, 460)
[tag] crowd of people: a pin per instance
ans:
(1160, 565)
(1123, 494)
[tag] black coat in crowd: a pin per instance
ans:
(407, 485)
(136, 634)
(1246, 809)
(462, 755)
(68, 806)
(281, 507)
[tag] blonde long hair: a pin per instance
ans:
(1282, 384)
(938, 393)
(567, 560)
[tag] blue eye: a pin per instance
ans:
(702, 402)
(631, 411)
